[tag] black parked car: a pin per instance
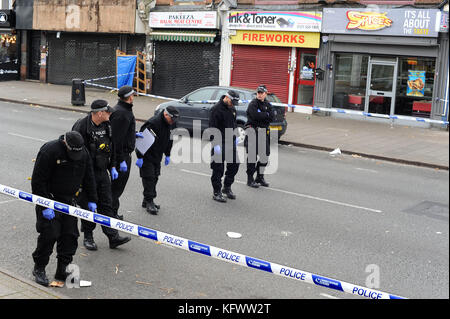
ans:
(190, 111)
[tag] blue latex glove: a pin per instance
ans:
(167, 160)
(123, 166)
(139, 135)
(48, 213)
(92, 206)
(217, 150)
(114, 173)
(139, 162)
(236, 141)
(259, 111)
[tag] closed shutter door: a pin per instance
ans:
(182, 67)
(255, 65)
(82, 56)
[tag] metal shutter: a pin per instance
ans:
(182, 67)
(255, 65)
(82, 56)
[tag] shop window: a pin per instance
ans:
(8, 48)
(415, 83)
(350, 81)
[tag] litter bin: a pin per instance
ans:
(78, 95)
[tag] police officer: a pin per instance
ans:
(123, 125)
(223, 117)
(150, 163)
(259, 115)
(61, 166)
(97, 134)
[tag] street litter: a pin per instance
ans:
(58, 284)
(336, 152)
(233, 235)
(85, 283)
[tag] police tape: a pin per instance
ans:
(308, 108)
(342, 111)
(138, 93)
(196, 247)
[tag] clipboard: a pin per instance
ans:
(143, 144)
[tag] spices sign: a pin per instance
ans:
(393, 22)
(188, 19)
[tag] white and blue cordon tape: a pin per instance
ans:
(319, 109)
(196, 247)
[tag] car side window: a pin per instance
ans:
(201, 95)
(221, 92)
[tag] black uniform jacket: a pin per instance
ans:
(123, 125)
(56, 176)
(163, 143)
(261, 118)
(98, 141)
(222, 117)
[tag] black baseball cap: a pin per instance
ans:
(101, 105)
(261, 89)
(125, 91)
(74, 144)
(234, 96)
(173, 112)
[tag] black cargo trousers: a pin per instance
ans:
(104, 205)
(228, 155)
(257, 157)
(62, 230)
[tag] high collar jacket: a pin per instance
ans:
(56, 176)
(162, 144)
(259, 113)
(222, 117)
(123, 124)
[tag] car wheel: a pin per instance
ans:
(241, 133)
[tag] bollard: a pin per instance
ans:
(78, 95)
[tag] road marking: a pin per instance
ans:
(8, 201)
(298, 194)
(27, 137)
(366, 170)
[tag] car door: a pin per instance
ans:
(193, 109)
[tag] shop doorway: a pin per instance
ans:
(34, 58)
(305, 77)
(381, 86)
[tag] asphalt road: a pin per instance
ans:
(335, 216)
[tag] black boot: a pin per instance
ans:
(39, 276)
(261, 181)
(117, 240)
(144, 205)
(151, 208)
(61, 273)
(89, 242)
(228, 192)
(251, 182)
(219, 197)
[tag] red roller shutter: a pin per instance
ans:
(254, 65)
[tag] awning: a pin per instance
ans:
(184, 36)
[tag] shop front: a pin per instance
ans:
(277, 49)
(383, 62)
(9, 64)
(186, 51)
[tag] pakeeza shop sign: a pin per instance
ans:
(395, 22)
(276, 20)
(195, 19)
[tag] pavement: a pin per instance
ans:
(381, 140)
